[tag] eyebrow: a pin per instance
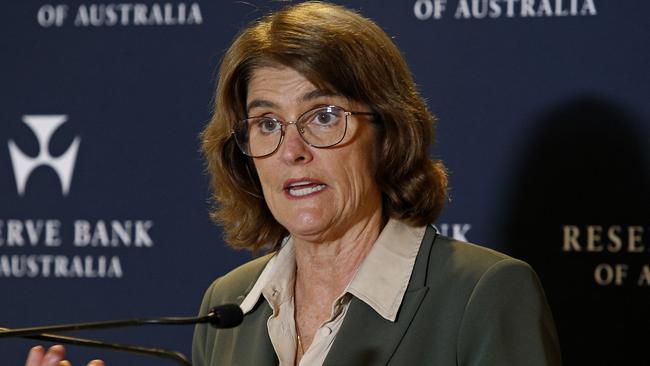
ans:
(317, 93)
(314, 94)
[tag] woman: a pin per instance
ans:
(318, 149)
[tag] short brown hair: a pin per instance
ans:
(339, 51)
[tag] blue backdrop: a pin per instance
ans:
(544, 124)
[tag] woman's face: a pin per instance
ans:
(317, 194)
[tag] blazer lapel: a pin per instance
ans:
(366, 338)
(255, 348)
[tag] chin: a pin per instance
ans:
(308, 225)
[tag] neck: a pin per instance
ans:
(329, 266)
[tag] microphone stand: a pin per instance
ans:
(83, 342)
(223, 316)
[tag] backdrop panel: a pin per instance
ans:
(544, 123)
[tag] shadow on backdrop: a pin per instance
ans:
(587, 165)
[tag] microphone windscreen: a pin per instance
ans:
(226, 316)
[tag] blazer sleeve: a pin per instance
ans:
(507, 320)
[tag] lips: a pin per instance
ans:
(297, 188)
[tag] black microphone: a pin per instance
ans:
(222, 316)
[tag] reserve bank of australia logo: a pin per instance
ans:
(43, 127)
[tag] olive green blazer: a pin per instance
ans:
(465, 305)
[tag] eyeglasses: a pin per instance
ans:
(320, 127)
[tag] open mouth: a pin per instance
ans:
(303, 188)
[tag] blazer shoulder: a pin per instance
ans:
(464, 259)
(231, 286)
(461, 266)
(497, 295)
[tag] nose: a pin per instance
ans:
(294, 150)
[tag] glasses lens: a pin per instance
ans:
(323, 127)
(258, 136)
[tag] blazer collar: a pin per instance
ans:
(365, 338)
(384, 275)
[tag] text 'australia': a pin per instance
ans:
(120, 14)
(480, 9)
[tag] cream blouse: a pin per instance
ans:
(380, 281)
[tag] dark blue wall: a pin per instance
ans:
(544, 123)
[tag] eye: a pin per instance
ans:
(326, 118)
(268, 125)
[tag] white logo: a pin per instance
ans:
(43, 127)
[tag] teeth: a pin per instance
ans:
(305, 191)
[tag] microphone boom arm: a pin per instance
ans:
(223, 316)
(84, 342)
(104, 325)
